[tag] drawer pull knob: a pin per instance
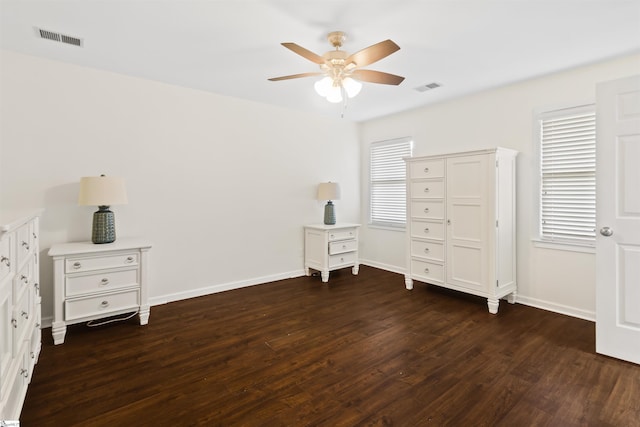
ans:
(5, 260)
(426, 250)
(426, 170)
(344, 246)
(25, 315)
(24, 278)
(24, 373)
(426, 230)
(37, 325)
(25, 245)
(35, 236)
(104, 281)
(77, 265)
(14, 322)
(37, 286)
(129, 259)
(426, 189)
(33, 355)
(426, 210)
(104, 304)
(426, 270)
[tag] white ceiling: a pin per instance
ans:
(231, 47)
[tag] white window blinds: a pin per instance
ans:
(568, 178)
(387, 182)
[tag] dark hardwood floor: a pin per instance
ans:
(360, 350)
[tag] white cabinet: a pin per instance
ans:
(20, 338)
(330, 247)
(94, 281)
(461, 223)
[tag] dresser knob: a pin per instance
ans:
(104, 281)
(77, 265)
(33, 355)
(426, 270)
(426, 230)
(426, 210)
(129, 259)
(14, 322)
(25, 315)
(25, 245)
(24, 373)
(104, 304)
(426, 190)
(5, 260)
(426, 170)
(24, 278)
(426, 250)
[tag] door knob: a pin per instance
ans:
(606, 231)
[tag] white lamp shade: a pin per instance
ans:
(328, 191)
(335, 94)
(102, 191)
(351, 86)
(322, 86)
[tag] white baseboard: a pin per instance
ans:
(556, 308)
(381, 266)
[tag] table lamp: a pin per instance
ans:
(102, 191)
(329, 191)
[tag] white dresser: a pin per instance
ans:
(20, 338)
(94, 281)
(330, 247)
(461, 223)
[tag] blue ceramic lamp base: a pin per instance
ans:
(329, 213)
(104, 226)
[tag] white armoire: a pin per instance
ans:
(461, 223)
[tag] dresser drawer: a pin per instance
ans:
(427, 169)
(430, 250)
(24, 243)
(342, 246)
(23, 279)
(73, 265)
(91, 283)
(427, 189)
(430, 209)
(427, 271)
(5, 256)
(101, 304)
(348, 258)
(349, 233)
(427, 230)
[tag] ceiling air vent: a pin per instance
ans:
(427, 87)
(50, 35)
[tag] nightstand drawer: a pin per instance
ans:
(73, 265)
(348, 258)
(342, 234)
(342, 247)
(101, 305)
(78, 285)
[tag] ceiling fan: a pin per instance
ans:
(342, 72)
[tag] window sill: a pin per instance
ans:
(387, 227)
(564, 246)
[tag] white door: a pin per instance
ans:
(618, 219)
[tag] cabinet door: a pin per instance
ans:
(469, 199)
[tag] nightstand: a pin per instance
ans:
(93, 281)
(330, 247)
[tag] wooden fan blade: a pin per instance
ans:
(377, 77)
(373, 53)
(294, 76)
(304, 53)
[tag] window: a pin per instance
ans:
(387, 185)
(567, 193)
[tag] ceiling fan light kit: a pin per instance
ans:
(342, 75)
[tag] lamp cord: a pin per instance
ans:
(92, 323)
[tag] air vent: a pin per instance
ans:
(427, 87)
(50, 35)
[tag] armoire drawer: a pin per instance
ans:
(431, 250)
(433, 168)
(427, 271)
(427, 230)
(427, 189)
(430, 209)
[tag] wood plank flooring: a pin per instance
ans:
(360, 350)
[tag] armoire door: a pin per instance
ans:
(469, 196)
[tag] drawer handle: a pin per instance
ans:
(37, 325)
(448, 222)
(426, 270)
(104, 304)
(33, 355)
(24, 278)
(77, 265)
(25, 315)
(426, 210)
(344, 246)
(341, 259)
(426, 250)
(129, 260)
(426, 230)
(426, 189)
(331, 235)
(5, 260)
(24, 373)
(426, 170)
(25, 245)
(35, 236)
(104, 281)
(37, 287)
(14, 322)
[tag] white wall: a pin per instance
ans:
(557, 280)
(221, 186)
